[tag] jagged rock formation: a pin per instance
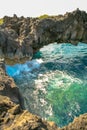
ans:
(79, 123)
(21, 37)
(13, 117)
(8, 87)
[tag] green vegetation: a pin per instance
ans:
(48, 16)
(1, 21)
(43, 16)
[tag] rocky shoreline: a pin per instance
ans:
(14, 117)
(12, 113)
(21, 37)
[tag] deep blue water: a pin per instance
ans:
(54, 83)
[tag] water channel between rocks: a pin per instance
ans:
(54, 83)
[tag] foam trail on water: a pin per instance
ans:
(20, 68)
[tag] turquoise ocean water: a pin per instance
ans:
(54, 83)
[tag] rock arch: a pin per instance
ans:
(21, 37)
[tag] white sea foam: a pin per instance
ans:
(23, 68)
(52, 85)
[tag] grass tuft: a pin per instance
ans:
(43, 16)
(1, 21)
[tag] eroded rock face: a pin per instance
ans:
(8, 87)
(12, 117)
(21, 37)
(79, 123)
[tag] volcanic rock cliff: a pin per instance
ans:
(21, 37)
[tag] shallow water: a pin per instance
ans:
(54, 83)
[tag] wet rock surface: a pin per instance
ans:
(22, 37)
(8, 87)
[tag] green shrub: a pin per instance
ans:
(1, 21)
(43, 16)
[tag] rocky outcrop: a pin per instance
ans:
(79, 123)
(21, 37)
(8, 87)
(13, 117)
